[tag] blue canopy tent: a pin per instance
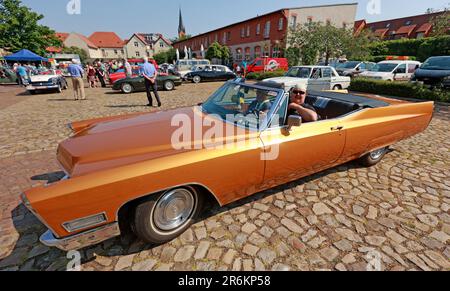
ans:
(25, 56)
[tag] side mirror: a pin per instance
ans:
(294, 121)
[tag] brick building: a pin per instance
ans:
(267, 35)
(418, 26)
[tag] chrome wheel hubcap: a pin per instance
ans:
(174, 209)
(375, 155)
(127, 88)
(169, 86)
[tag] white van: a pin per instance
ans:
(392, 70)
(185, 66)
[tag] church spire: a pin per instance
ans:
(181, 28)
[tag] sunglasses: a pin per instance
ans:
(299, 92)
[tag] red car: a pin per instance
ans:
(121, 73)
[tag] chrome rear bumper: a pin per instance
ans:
(81, 240)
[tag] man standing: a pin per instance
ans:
(76, 71)
(22, 74)
(127, 67)
(148, 71)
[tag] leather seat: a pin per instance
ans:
(329, 109)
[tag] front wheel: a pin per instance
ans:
(373, 158)
(167, 215)
(197, 79)
(126, 88)
(337, 87)
(169, 85)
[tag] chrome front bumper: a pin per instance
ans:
(81, 240)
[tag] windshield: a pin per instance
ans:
(299, 72)
(385, 67)
(242, 104)
(437, 63)
(348, 65)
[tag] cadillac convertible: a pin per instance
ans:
(151, 172)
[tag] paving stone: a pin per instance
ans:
(249, 228)
(184, 254)
(266, 231)
(229, 256)
(247, 265)
(292, 226)
(344, 245)
(320, 209)
(167, 253)
(200, 233)
(250, 249)
(329, 253)
(214, 253)
(267, 256)
(201, 250)
(375, 240)
(438, 259)
(395, 236)
(440, 236)
(428, 219)
(146, 265)
(124, 262)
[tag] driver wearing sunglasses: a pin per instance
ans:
(297, 105)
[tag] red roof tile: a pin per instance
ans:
(62, 36)
(106, 39)
(87, 41)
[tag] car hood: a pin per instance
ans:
(130, 140)
(42, 78)
(423, 73)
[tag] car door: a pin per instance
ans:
(138, 83)
(401, 73)
(302, 151)
(220, 74)
(321, 80)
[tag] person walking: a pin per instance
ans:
(22, 74)
(76, 71)
(128, 69)
(91, 74)
(149, 72)
(100, 71)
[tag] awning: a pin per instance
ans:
(25, 56)
(425, 27)
(406, 29)
(381, 32)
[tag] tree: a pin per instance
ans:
(441, 23)
(19, 29)
(166, 57)
(358, 47)
(215, 51)
(76, 51)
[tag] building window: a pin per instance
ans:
(242, 32)
(267, 30)
(239, 54)
(104, 53)
(409, 22)
(248, 31)
(224, 37)
(161, 44)
(388, 25)
(138, 54)
(136, 44)
(293, 22)
(122, 52)
(280, 24)
(247, 54)
(276, 52)
(216, 38)
(420, 35)
(257, 52)
(258, 29)
(229, 35)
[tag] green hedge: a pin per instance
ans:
(265, 75)
(422, 49)
(399, 89)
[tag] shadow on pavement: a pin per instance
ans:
(29, 254)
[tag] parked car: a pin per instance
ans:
(314, 77)
(127, 169)
(46, 81)
(7, 76)
(435, 72)
(137, 84)
(268, 64)
(353, 68)
(186, 66)
(120, 74)
(392, 71)
(210, 73)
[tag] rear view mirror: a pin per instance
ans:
(294, 121)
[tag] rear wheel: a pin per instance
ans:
(126, 88)
(373, 158)
(169, 85)
(197, 79)
(167, 215)
(337, 87)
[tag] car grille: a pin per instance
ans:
(41, 83)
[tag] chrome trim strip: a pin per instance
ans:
(86, 217)
(83, 239)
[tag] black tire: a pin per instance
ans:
(373, 158)
(169, 85)
(126, 88)
(337, 87)
(145, 221)
(32, 92)
(196, 79)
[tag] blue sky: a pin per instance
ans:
(127, 17)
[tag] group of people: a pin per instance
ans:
(25, 70)
(100, 71)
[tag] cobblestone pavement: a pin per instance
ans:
(335, 220)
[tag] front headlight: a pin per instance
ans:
(53, 80)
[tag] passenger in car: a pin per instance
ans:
(298, 106)
(260, 105)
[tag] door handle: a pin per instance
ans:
(337, 128)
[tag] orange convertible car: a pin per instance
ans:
(151, 171)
